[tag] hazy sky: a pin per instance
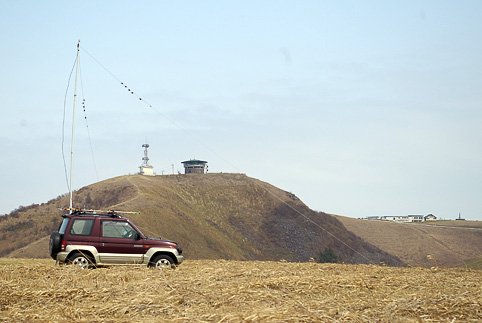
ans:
(357, 107)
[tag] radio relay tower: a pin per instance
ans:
(145, 168)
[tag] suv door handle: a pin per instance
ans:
(105, 241)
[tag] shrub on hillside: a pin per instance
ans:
(328, 256)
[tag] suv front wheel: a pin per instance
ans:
(162, 261)
(80, 260)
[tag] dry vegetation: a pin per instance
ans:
(454, 223)
(412, 243)
(233, 217)
(235, 291)
(28, 224)
(240, 218)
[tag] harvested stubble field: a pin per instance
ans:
(235, 291)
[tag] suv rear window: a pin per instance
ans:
(82, 227)
(63, 226)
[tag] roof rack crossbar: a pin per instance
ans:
(92, 211)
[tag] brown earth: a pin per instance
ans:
(453, 223)
(413, 243)
(212, 216)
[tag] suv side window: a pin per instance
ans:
(118, 229)
(82, 227)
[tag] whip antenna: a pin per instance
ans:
(73, 127)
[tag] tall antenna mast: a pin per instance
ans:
(145, 158)
(145, 168)
(73, 126)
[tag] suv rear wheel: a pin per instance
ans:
(162, 261)
(81, 260)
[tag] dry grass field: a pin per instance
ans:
(237, 291)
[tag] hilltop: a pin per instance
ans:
(212, 216)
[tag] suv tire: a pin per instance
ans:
(80, 260)
(162, 261)
(54, 244)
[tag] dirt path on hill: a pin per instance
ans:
(139, 194)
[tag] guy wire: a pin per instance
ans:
(215, 153)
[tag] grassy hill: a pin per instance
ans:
(448, 243)
(212, 216)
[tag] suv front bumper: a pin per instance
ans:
(180, 259)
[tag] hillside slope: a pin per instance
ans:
(412, 243)
(212, 216)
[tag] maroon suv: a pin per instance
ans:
(90, 240)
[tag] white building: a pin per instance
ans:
(398, 218)
(146, 170)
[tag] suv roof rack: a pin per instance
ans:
(91, 212)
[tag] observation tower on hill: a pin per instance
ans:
(195, 166)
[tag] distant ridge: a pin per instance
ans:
(447, 245)
(212, 216)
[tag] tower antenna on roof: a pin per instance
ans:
(146, 168)
(145, 158)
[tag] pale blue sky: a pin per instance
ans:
(358, 107)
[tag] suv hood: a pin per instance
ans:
(162, 240)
